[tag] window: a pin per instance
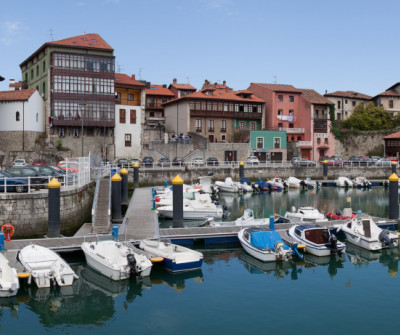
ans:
(61, 132)
(338, 104)
(198, 125)
(133, 116)
(299, 138)
(291, 112)
(260, 142)
(31, 73)
(44, 87)
(122, 116)
(318, 140)
(44, 66)
(326, 140)
(292, 138)
(75, 132)
(118, 96)
(37, 70)
(277, 142)
(390, 103)
(291, 98)
(222, 138)
(345, 102)
(280, 111)
(252, 125)
(17, 116)
(290, 125)
(223, 125)
(280, 98)
(130, 97)
(242, 125)
(354, 103)
(280, 125)
(128, 140)
(210, 125)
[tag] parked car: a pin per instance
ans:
(253, 160)
(148, 161)
(20, 162)
(70, 167)
(384, 162)
(134, 161)
(49, 171)
(212, 161)
(333, 161)
(360, 161)
(393, 158)
(304, 162)
(122, 163)
(36, 178)
(18, 185)
(39, 162)
(178, 161)
(164, 162)
(198, 161)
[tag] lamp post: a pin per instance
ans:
(83, 104)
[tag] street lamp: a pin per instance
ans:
(83, 104)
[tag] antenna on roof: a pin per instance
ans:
(187, 78)
(274, 79)
(51, 34)
(119, 66)
(140, 73)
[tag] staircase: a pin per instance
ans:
(102, 210)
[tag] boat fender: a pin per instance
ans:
(9, 230)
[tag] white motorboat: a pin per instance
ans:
(205, 184)
(361, 182)
(175, 257)
(247, 219)
(277, 182)
(116, 260)
(227, 186)
(317, 239)
(343, 182)
(46, 266)
(310, 184)
(293, 182)
(199, 209)
(9, 283)
(267, 246)
(305, 214)
(364, 232)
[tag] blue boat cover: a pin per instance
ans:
(263, 239)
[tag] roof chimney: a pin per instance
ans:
(164, 85)
(133, 77)
(174, 81)
(326, 91)
(224, 82)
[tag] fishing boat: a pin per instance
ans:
(9, 283)
(361, 182)
(175, 257)
(45, 266)
(265, 245)
(305, 214)
(227, 186)
(364, 232)
(343, 182)
(317, 239)
(347, 213)
(116, 260)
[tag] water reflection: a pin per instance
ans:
(334, 262)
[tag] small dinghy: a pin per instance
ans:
(9, 283)
(267, 246)
(317, 239)
(343, 182)
(115, 260)
(361, 182)
(45, 266)
(305, 214)
(247, 219)
(227, 186)
(364, 232)
(347, 213)
(176, 257)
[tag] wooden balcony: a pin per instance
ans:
(224, 114)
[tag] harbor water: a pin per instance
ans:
(233, 293)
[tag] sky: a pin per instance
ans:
(325, 45)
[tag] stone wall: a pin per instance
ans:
(28, 213)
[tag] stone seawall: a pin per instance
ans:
(28, 213)
(158, 177)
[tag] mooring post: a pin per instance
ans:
(54, 208)
(124, 186)
(177, 202)
(271, 222)
(2, 240)
(136, 175)
(325, 169)
(116, 197)
(393, 197)
(394, 166)
(241, 170)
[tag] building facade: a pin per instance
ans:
(346, 101)
(180, 90)
(269, 145)
(75, 77)
(390, 99)
(129, 111)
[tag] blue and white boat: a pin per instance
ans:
(265, 245)
(175, 257)
(318, 240)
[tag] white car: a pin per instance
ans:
(198, 161)
(20, 162)
(252, 160)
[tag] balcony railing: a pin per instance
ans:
(127, 102)
(225, 114)
(288, 118)
(292, 130)
(304, 144)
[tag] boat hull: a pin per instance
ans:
(365, 243)
(114, 274)
(172, 266)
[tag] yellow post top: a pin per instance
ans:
(54, 183)
(393, 177)
(136, 165)
(241, 163)
(393, 163)
(123, 171)
(177, 180)
(116, 177)
(325, 161)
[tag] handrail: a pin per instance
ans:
(96, 194)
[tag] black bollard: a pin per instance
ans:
(393, 197)
(54, 208)
(124, 186)
(241, 170)
(116, 197)
(394, 165)
(177, 202)
(136, 175)
(325, 169)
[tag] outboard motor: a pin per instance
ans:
(226, 214)
(303, 184)
(346, 183)
(132, 265)
(285, 185)
(385, 239)
(333, 245)
(293, 209)
(318, 185)
(206, 223)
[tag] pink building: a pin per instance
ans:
(303, 114)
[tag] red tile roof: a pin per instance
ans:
(389, 93)
(16, 84)
(394, 135)
(125, 79)
(159, 90)
(348, 94)
(18, 95)
(314, 97)
(183, 87)
(86, 40)
(279, 87)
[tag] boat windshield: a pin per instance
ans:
(318, 236)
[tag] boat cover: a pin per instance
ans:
(266, 239)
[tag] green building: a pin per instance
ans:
(269, 145)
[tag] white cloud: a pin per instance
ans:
(10, 31)
(217, 4)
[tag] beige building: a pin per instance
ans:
(346, 101)
(390, 99)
